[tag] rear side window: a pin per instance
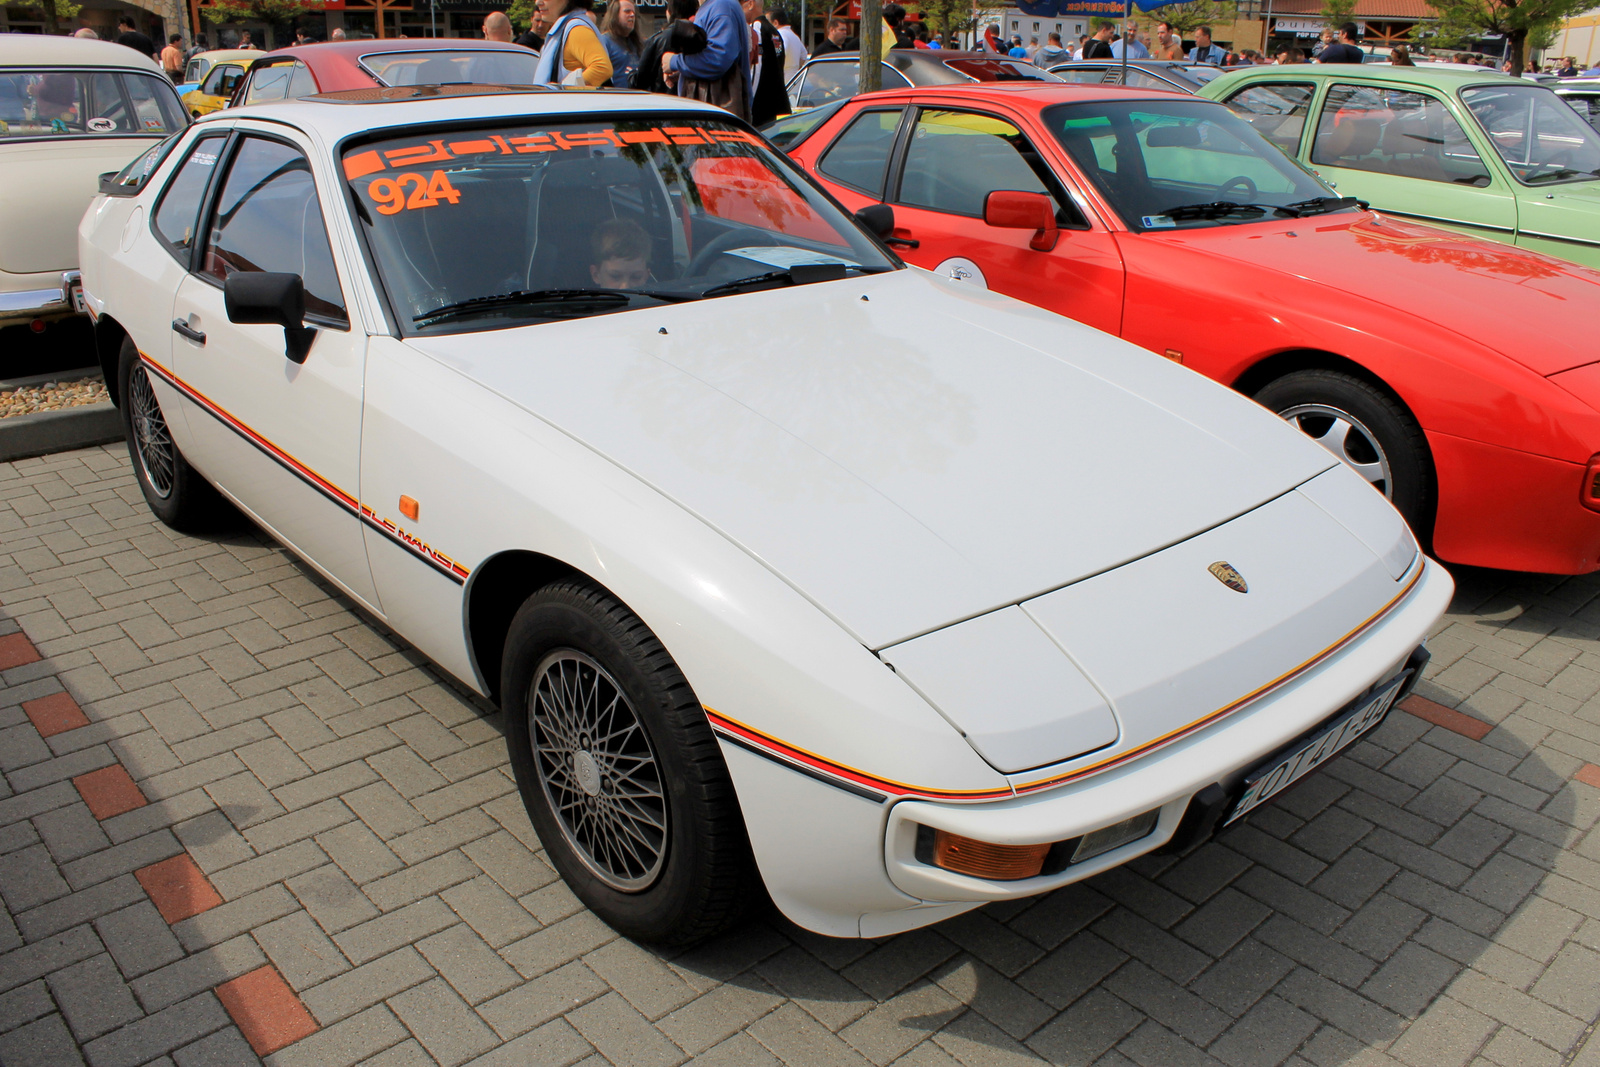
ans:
(1408, 135)
(176, 217)
(268, 218)
(1277, 111)
(282, 81)
(860, 157)
(222, 81)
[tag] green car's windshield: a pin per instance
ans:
(1540, 138)
(538, 221)
(1184, 163)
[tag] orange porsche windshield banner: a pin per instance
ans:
(442, 150)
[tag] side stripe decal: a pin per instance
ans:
(436, 559)
(874, 788)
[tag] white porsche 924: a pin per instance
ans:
(782, 558)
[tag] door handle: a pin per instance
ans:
(903, 242)
(197, 336)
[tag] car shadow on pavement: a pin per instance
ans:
(1430, 896)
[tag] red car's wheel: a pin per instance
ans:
(1365, 428)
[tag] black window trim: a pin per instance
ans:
(1062, 194)
(237, 137)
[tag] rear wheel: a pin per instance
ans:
(175, 491)
(1366, 429)
(619, 771)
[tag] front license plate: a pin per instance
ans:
(1268, 781)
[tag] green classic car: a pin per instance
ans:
(1456, 146)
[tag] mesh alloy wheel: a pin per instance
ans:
(599, 772)
(152, 439)
(1347, 438)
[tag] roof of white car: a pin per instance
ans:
(338, 115)
(40, 50)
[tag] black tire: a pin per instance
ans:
(572, 637)
(1381, 431)
(175, 491)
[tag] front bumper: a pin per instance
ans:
(1168, 779)
(65, 298)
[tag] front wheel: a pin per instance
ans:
(619, 770)
(175, 491)
(1365, 428)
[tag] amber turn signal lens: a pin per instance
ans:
(409, 508)
(981, 859)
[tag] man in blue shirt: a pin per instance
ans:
(1204, 51)
(726, 56)
(1130, 43)
(1017, 51)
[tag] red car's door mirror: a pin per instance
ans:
(1014, 210)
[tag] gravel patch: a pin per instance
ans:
(52, 396)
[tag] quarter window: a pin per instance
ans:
(1408, 135)
(175, 219)
(223, 81)
(268, 218)
(1277, 111)
(283, 81)
(823, 83)
(860, 157)
(957, 158)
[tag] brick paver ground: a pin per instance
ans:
(316, 854)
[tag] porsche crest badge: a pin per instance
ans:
(1224, 573)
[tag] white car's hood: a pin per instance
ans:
(904, 451)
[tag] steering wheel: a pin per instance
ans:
(1242, 181)
(701, 263)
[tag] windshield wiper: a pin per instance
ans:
(1216, 210)
(799, 274)
(1320, 205)
(568, 299)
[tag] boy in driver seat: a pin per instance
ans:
(619, 255)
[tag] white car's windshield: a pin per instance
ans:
(1541, 139)
(484, 228)
(1185, 163)
(55, 104)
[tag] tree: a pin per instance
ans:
(521, 13)
(955, 16)
(1518, 20)
(1336, 13)
(54, 11)
(1186, 18)
(272, 12)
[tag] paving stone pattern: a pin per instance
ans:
(239, 820)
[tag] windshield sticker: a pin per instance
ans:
(1157, 222)
(102, 125)
(371, 161)
(389, 194)
(784, 257)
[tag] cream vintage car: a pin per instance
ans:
(782, 558)
(70, 111)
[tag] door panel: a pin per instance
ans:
(281, 438)
(953, 160)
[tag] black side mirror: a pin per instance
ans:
(876, 219)
(270, 299)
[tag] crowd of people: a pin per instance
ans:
(739, 55)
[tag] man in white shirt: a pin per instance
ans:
(794, 50)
